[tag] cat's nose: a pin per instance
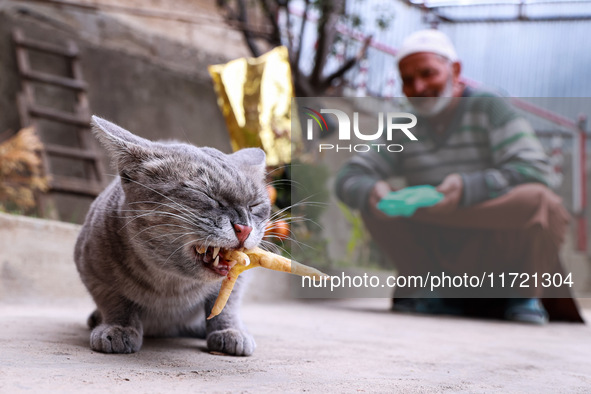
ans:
(242, 232)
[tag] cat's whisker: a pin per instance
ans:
(283, 239)
(172, 207)
(305, 202)
(290, 219)
(276, 169)
(147, 242)
(279, 182)
(132, 218)
(264, 243)
(181, 234)
(270, 246)
(177, 249)
(300, 203)
(159, 225)
(287, 181)
(295, 219)
(160, 194)
(184, 209)
(278, 213)
(273, 245)
(151, 189)
(150, 214)
(206, 243)
(157, 212)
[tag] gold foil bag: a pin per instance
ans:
(254, 95)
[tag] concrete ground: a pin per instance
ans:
(336, 346)
(324, 346)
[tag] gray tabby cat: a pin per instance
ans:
(138, 251)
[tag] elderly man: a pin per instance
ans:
(497, 215)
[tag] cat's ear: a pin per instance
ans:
(127, 149)
(251, 159)
(115, 137)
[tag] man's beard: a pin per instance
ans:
(432, 106)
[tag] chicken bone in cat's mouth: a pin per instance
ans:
(212, 258)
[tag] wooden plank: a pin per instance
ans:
(40, 46)
(87, 141)
(73, 153)
(72, 185)
(82, 107)
(22, 60)
(56, 80)
(58, 116)
(24, 66)
(46, 206)
(23, 110)
(31, 112)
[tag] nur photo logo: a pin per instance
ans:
(318, 118)
(390, 123)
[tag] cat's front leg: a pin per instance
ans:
(231, 340)
(225, 333)
(120, 329)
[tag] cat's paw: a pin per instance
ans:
(231, 341)
(115, 339)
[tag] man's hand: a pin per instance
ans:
(376, 194)
(451, 188)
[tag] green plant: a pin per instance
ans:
(359, 244)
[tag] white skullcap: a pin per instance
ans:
(432, 41)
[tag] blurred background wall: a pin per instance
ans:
(150, 84)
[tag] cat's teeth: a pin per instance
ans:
(246, 260)
(202, 249)
(216, 261)
(216, 251)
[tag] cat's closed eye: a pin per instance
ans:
(193, 189)
(215, 202)
(256, 205)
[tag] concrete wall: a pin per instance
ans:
(152, 86)
(36, 260)
(37, 265)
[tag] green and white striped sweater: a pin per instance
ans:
(487, 142)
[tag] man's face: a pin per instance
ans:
(428, 80)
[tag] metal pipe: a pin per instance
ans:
(581, 215)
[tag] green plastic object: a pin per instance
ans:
(406, 201)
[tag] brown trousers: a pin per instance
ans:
(519, 232)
